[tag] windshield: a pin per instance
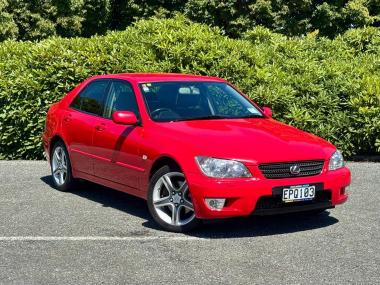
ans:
(182, 101)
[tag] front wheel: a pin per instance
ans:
(169, 200)
(61, 168)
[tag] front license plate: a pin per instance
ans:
(298, 193)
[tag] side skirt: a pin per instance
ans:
(111, 184)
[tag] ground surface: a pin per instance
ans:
(97, 235)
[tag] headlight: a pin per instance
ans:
(222, 168)
(336, 161)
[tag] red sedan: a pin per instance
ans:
(193, 146)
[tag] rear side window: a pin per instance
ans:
(91, 99)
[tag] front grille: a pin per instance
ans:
(282, 169)
(275, 202)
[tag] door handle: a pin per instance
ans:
(100, 127)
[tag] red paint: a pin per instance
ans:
(119, 155)
(124, 118)
(267, 111)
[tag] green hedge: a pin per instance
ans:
(327, 87)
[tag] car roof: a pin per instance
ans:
(154, 77)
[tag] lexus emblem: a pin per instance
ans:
(295, 169)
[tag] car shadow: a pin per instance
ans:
(108, 197)
(227, 228)
(254, 226)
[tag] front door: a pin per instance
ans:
(117, 146)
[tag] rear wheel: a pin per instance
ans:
(61, 167)
(169, 200)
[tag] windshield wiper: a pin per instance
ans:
(252, 116)
(209, 117)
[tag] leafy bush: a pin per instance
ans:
(327, 87)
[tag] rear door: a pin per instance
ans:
(117, 146)
(79, 125)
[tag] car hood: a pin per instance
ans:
(254, 140)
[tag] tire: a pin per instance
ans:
(162, 202)
(60, 166)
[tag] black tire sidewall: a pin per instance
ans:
(156, 176)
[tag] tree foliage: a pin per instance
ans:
(8, 27)
(96, 17)
(328, 87)
(38, 19)
(290, 17)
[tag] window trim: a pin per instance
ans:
(110, 81)
(138, 115)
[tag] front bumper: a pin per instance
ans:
(244, 195)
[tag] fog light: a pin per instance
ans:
(215, 204)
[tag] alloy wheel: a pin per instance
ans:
(59, 166)
(172, 199)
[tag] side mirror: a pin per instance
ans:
(267, 112)
(124, 118)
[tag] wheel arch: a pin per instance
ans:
(56, 138)
(162, 161)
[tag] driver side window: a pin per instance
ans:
(121, 98)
